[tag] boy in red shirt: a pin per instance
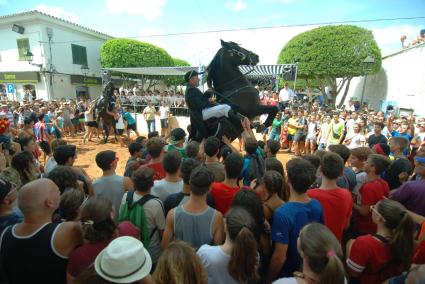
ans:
(336, 201)
(155, 147)
(224, 192)
(372, 191)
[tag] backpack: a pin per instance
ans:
(256, 168)
(135, 213)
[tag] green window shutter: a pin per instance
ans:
(79, 54)
(23, 46)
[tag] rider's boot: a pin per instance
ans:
(235, 117)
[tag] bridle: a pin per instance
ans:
(241, 54)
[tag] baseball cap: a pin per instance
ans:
(191, 74)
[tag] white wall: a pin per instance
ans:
(400, 82)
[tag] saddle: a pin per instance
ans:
(222, 126)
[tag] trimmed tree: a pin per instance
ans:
(124, 53)
(331, 52)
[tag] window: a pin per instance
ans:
(79, 54)
(23, 47)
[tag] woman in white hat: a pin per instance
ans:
(124, 260)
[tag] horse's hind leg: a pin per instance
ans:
(105, 132)
(271, 110)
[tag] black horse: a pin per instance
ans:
(102, 106)
(232, 87)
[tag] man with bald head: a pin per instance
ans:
(37, 250)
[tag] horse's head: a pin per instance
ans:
(108, 90)
(239, 55)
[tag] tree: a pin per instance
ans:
(124, 53)
(331, 52)
(176, 80)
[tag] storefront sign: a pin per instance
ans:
(78, 79)
(19, 77)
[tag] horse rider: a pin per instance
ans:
(203, 108)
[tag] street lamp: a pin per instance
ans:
(29, 57)
(84, 70)
(368, 61)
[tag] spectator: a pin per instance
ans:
(70, 204)
(300, 134)
(358, 159)
(21, 170)
(136, 151)
(64, 177)
(164, 114)
(411, 193)
(195, 222)
(224, 192)
(375, 258)
(348, 178)
(124, 260)
(322, 138)
(272, 187)
(276, 127)
(131, 122)
(99, 229)
(253, 167)
(51, 162)
(336, 130)
(192, 150)
(235, 261)
(355, 138)
(212, 150)
(289, 219)
(155, 149)
(152, 224)
(372, 191)
(149, 114)
(272, 148)
(172, 183)
(176, 141)
(337, 202)
(311, 138)
(321, 253)
(401, 168)
(110, 185)
(377, 137)
(24, 243)
(180, 257)
(8, 213)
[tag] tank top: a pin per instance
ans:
(194, 228)
(112, 188)
(32, 258)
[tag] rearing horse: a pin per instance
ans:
(225, 78)
(101, 106)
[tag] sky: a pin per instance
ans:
(154, 20)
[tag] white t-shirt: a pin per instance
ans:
(324, 132)
(356, 140)
(163, 188)
(215, 261)
(163, 112)
(120, 123)
(284, 95)
(155, 218)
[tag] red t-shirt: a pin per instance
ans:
(419, 256)
(371, 192)
(370, 257)
(82, 257)
(158, 168)
(337, 207)
(223, 196)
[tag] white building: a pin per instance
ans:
(59, 48)
(400, 82)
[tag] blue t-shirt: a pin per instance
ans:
(11, 219)
(129, 118)
(288, 220)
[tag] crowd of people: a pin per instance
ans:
(348, 207)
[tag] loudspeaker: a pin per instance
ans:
(288, 73)
(18, 29)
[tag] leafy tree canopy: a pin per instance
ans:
(331, 52)
(133, 53)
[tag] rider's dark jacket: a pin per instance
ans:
(196, 101)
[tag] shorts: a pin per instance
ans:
(311, 138)
(81, 120)
(266, 131)
(75, 121)
(290, 137)
(67, 123)
(132, 127)
(164, 122)
(299, 137)
(91, 123)
(119, 131)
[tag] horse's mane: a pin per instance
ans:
(213, 67)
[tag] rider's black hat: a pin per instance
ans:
(191, 74)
